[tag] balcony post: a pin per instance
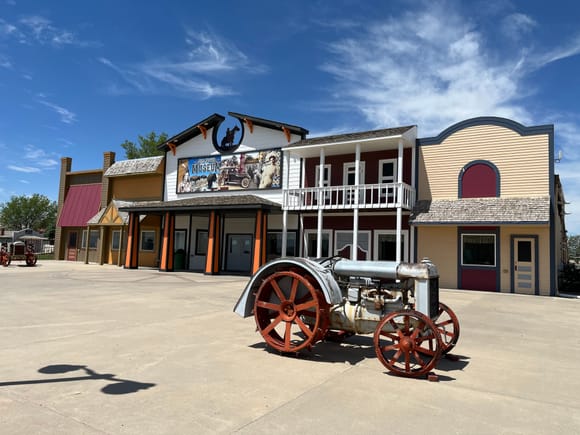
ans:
(320, 203)
(354, 250)
(399, 201)
(285, 187)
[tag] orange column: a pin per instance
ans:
(213, 244)
(166, 264)
(132, 254)
(259, 257)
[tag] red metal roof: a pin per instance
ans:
(81, 203)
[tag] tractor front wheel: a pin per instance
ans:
(408, 343)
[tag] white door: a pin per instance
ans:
(239, 253)
(524, 268)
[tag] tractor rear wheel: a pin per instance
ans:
(408, 343)
(290, 311)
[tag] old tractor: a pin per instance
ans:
(297, 302)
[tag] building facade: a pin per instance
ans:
(90, 226)
(490, 211)
(481, 200)
(222, 194)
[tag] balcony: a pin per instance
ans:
(370, 196)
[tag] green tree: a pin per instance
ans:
(574, 246)
(147, 146)
(36, 212)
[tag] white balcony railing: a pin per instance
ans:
(390, 195)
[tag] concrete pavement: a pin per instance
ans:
(89, 349)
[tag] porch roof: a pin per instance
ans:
(374, 140)
(482, 211)
(203, 203)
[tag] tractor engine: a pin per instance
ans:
(365, 304)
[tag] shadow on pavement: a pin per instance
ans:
(357, 348)
(119, 386)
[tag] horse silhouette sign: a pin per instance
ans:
(228, 140)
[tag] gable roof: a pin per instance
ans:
(111, 212)
(487, 120)
(482, 211)
(216, 119)
(146, 165)
(80, 204)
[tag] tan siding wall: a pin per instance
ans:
(138, 188)
(523, 161)
(439, 243)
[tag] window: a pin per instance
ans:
(180, 239)
(147, 240)
(274, 244)
(343, 244)
(93, 240)
(385, 245)
(387, 175)
(388, 171)
(348, 179)
(325, 180)
(115, 240)
(478, 250)
(201, 242)
(311, 244)
(349, 171)
(325, 176)
(479, 179)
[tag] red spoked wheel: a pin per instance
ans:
(31, 260)
(290, 311)
(5, 260)
(448, 327)
(408, 343)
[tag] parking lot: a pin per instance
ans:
(89, 349)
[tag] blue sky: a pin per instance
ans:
(79, 78)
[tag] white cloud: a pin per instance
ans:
(29, 169)
(35, 29)
(208, 62)
(435, 67)
(569, 49)
(66, 115)
(5, 62)
(428, 68)
(517, 25)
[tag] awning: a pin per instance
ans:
(482, 211)
(82, 202)
(205, 203)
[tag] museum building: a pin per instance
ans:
(481, 200)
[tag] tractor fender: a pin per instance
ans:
(323, 276)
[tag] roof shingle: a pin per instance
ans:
(147, 165)
(482, 211)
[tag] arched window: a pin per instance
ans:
(479, 179)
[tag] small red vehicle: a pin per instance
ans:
(18, 251)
